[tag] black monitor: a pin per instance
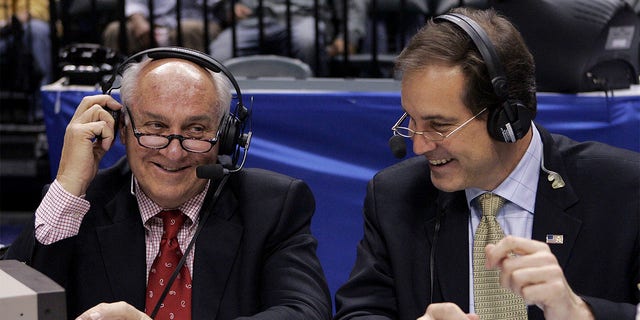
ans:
(579, 45)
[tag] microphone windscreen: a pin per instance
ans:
(398, 146)
(210, 171)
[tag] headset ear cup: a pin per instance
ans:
(523, 118)
(228, 135)
(500, 124)
(510, 122)
(494, 123)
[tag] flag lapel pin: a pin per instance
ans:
(555, 239)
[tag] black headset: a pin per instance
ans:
(510, 121)
(232, 134)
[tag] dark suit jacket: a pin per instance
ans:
(255, 254)
(600, 255)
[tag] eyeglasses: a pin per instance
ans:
(157, 141)
(431, 135)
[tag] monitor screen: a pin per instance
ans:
(578, 45)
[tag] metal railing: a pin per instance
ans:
(373, 60)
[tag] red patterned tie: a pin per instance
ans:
(177, 303)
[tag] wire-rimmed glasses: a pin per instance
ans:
(431, 135)
(157, 141)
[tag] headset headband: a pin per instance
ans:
(487, 50)
(194, 56)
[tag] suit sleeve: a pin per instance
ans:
(369, 293)
(608, 310)
(607, 182)
(293, 282)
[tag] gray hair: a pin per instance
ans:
(130, 77)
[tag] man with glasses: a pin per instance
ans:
(434, 244)
(99, 234)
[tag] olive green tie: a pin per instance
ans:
(491, 300)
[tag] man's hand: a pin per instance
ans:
(529, 269)
(446, 311)
(113, 311)
(242, 11)
(337, 47)
(89, 135)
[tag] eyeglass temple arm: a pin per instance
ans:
(397, 124)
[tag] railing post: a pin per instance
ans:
(179, 21)
(318, 48)
(261, 24)
(375, 64)
(234, 31)
(122, 36)
(288, 24)
(205, 21)
(345, 29)
(152, 25)
(53, 36)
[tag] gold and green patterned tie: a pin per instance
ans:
(491, 300)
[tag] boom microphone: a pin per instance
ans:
(211, 171)
(398, 146)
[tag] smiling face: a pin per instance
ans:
(175, 97)
(432, 96)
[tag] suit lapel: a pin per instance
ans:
(123, 249)
(216, 249)
(452, 255)
(550, 217)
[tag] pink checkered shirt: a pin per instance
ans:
(60, 214)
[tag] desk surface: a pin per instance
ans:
(335, 138)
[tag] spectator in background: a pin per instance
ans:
(25, 58)
(394, 25)
(28, 20)
(165, 24)
(303, 45)
(357, 15)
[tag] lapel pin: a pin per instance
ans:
(555, 239)
(556, 180)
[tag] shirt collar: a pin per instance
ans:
(521, 185)
(148, 208)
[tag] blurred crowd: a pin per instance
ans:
(312, 31)
(335, 38)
